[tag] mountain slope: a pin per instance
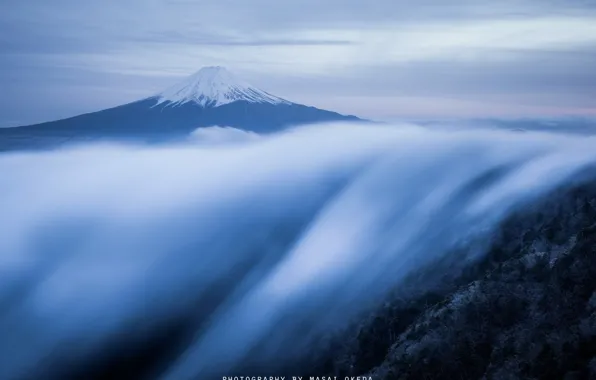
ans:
(212, 96)
(526, 311)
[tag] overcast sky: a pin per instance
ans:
(382, 59)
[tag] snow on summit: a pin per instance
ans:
(214, 86)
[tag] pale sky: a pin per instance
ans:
(380, 59)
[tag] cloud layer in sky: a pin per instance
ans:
(383, 59)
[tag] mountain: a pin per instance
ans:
(212, 96)
(213, 87)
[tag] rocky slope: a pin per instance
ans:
(526, 311)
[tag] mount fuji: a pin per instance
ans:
(213, 87)
(213, 96)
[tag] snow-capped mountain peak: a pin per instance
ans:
(214, 86)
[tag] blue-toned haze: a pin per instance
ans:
(381, 59)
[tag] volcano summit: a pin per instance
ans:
(212, 96)
(215, 86)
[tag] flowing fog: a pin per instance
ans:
(260, 244)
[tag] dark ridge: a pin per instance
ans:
(527, 310)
